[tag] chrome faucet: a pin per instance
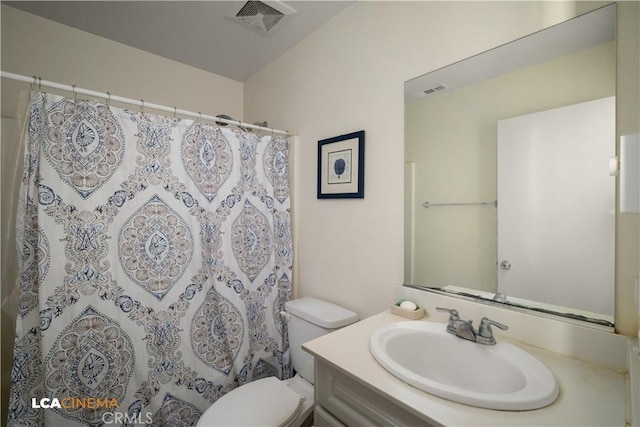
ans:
(485, 333)
(464, 328)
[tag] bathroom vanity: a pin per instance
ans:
(352, 388)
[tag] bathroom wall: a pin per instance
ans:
(349, 76)
(628, 122)
(459, 163)
(33, 45)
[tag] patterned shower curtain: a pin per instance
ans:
(155, 258)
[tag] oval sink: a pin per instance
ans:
(500, 376)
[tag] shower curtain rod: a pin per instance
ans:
(141, 103)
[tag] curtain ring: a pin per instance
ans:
(174, 112)
(142, 106)
(33, 84)
(39, 84)
(198, 127)
(108, 99)
(75, 95)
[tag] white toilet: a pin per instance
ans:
(272, 402)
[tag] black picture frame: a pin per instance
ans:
(341, 167)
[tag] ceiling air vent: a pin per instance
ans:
(436, 89)
(263, 16)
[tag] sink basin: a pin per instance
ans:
(500, 376)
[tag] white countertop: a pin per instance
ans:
(590, 395)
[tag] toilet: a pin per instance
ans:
(273, 402)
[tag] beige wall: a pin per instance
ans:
(628, 122)
(33, 45)
(348, 76)
(452, 138)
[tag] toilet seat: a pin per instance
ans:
(265, 402)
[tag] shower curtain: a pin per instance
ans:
(155, 257)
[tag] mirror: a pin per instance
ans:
(508, 192)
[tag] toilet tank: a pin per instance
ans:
(312, 318)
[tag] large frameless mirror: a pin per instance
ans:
(508, 191)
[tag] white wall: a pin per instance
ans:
(628, 122)
(32, 45)
(348, 76)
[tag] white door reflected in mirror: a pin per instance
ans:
(556, 211)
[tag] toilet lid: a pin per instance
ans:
(265, 402)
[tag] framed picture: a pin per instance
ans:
(341, 167)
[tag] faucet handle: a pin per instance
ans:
(453, 313)
(485, 333)
(454, 317)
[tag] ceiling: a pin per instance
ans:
(195, 33)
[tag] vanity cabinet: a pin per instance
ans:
(341, 400)
(352, 389)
